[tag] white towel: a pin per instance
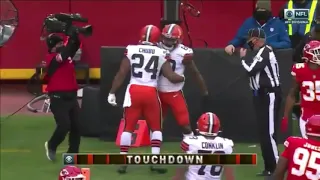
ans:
(127, 97)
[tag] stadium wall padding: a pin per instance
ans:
(115, 23)
(231, 97)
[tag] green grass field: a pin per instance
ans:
(23, 156)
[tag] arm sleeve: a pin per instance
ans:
(188, 55)
(240, 39)
(52, 66)
(259, 62)
(230, 145)
(296, 68)
(186, 146)
(73, 44)
(283, 40)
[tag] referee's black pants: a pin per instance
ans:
(65, 108)
(267, 106)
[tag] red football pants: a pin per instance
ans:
(177, 103)
(145, 103)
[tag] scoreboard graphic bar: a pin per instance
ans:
(165, 159)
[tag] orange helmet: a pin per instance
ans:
(150, 35)
(313, 126)
(311, 52)
(172, 35)
(208, 124)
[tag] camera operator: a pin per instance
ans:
(62, 89)
(61, 79)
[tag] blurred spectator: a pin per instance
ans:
(297, 31)
(314, 34)
(275, 29)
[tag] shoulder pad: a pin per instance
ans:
(190, 139)
(299, 65)
(296, 67)
(290, 140)
(186, 49)
(129, 46)
(165, 52)
(269, 47)
(229, 142)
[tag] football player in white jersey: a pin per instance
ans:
(141, 99)
(170, 94)
(207, 142)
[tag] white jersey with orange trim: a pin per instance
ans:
(203, 145)
(146, 62)
(177, 56)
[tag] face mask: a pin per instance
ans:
(262, 15)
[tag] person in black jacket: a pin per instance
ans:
(62, 89)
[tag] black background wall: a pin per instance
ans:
(228, 88)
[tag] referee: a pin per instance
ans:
(263, 72)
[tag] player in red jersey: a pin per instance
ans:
(306, 79)
(171, 95)
(145, 61)
(301, 157)
(71, 173)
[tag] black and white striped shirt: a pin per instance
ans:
(263, 69)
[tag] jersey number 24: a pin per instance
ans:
(214, 170)
(151, 67)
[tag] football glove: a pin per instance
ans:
(112, 99)
(284, 124)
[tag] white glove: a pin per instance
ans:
(112, 99)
